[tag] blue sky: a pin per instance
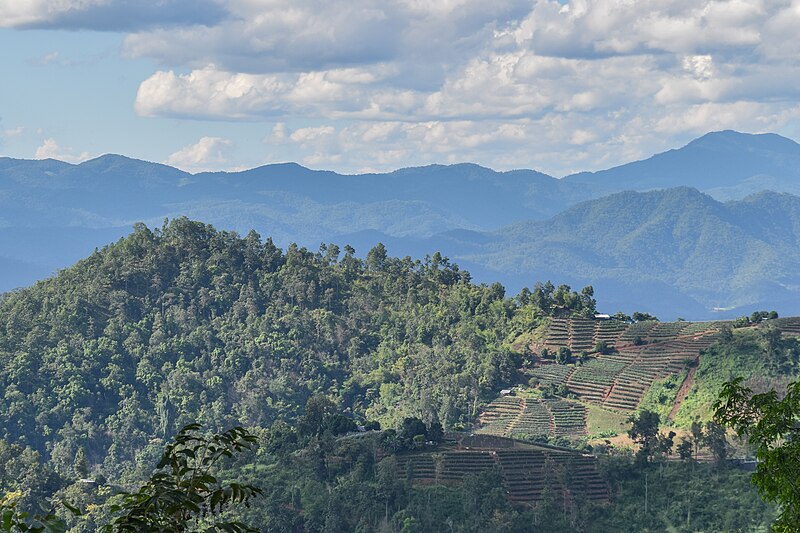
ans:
(363, 85)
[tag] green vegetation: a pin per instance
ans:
(660, 397)
(601, 422)
(759, 355)
(681, 497)
(347, 374)
(771, 424)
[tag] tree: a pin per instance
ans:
(13, 520)
(81, 464)
(644, 432)
(603, 347)
(772, 425)
(685, 449)
(716, 440)
(412, 428)
(564, 355)
(318, 408)
(642, 317)
(184, 491)
(376, 257)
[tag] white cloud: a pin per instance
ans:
(50, 149)
(13, 132)
(29, 12)
(208, 153)
(107, 15)
(510, 83)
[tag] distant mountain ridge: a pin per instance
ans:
(518, 226)
(679, 245)
(725, 164)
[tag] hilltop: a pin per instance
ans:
(725, 164)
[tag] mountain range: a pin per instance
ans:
(689, 232)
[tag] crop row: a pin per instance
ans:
(599, 371)
(552, 373)
(581, 334)
(534, 420)
(526, 473)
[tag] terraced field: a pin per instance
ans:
(552, 374)
(582, 334)
(645, 352)
(788, 326)
(526, 470)
(499, 415)
(535, 420)
(533, 417)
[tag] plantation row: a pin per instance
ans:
(582, 334)
(641, 353)
(788, 326)
(552, 374)
(512, 416)
(620, 380)
(526, 472)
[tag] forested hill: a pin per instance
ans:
(678, 252)
(102, 364)
(187, 324)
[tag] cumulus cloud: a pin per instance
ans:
(208, 153)
(50, 149)
(380, 83)
(108, 15)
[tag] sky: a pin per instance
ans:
(359, 85)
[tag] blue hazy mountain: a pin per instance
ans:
(726, 164)
(52, 213)
(517, 227)
(675, 251)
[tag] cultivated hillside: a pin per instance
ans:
(617, 367)
(103, 363)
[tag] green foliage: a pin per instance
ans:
(13, 520)
(603, 347)
(764, 359)
(101, 365)
(771, 425)
(755, 318)
(185, 323)
(644, 432)
(660, 397)
(564, 355)
(643, 317)
(559, 301)
(680, 497)
(184, 492)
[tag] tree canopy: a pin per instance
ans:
(771, 423)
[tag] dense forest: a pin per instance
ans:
(105, 362)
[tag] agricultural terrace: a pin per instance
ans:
(643, 352)
(533, 417)
(527, 470)
(582, 334)
(788, 326)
